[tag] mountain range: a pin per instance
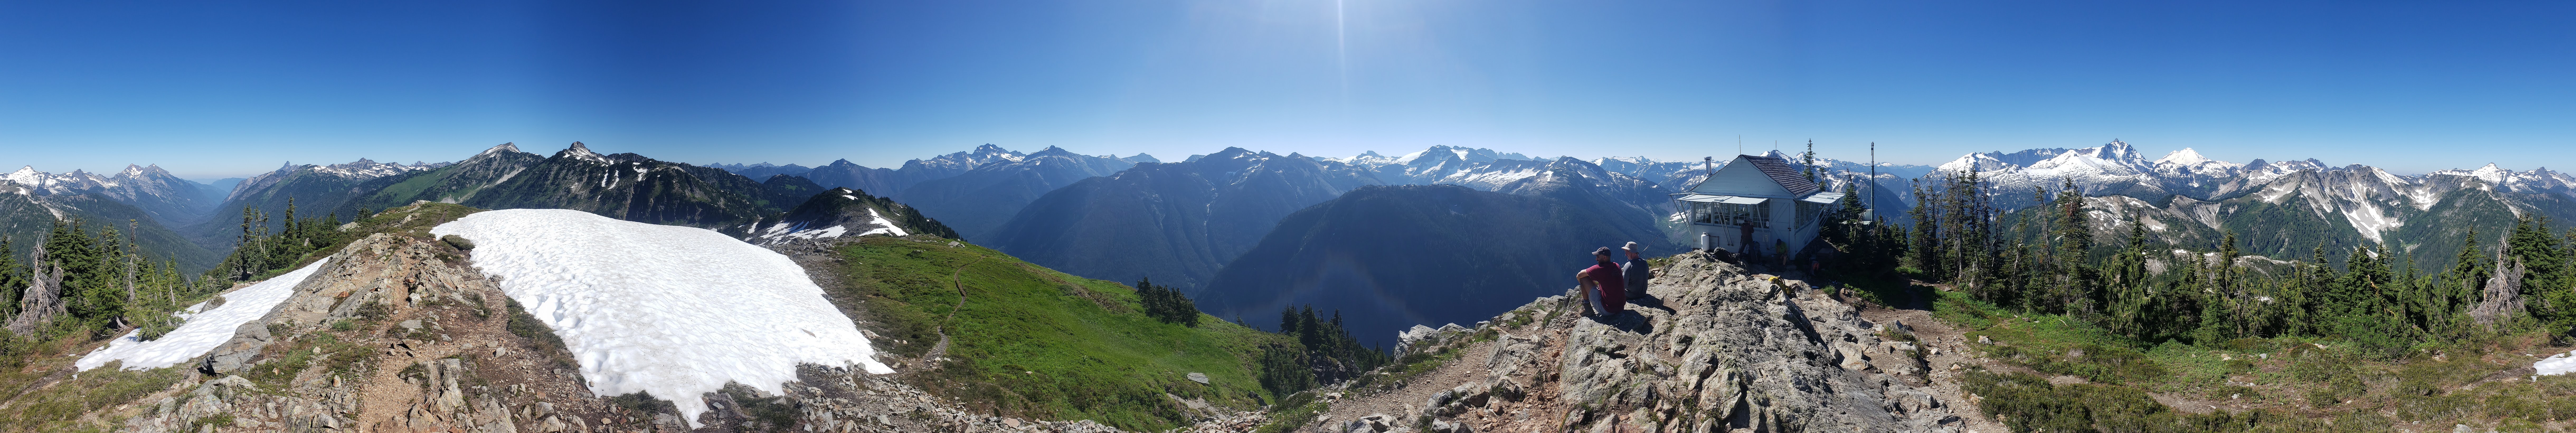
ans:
(143, 201)
(978, 201)
(1122, 218)
(2283, 208)
(1175, 223)
(1390, 257)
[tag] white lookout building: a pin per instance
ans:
(1767, 194)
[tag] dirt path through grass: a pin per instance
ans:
(1951, 342)
(955, 278)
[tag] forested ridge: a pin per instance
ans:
(2351, 339)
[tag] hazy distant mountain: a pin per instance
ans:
(1629, 204)
(217, 189)
(889, 182)
(1176, 223)
(1428, 165)
(316, 189)
(166, 198)
(977, 202)
(762, 170)
(28, 213)
(1390, 257)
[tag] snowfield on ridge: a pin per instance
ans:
(204, 330)
(673, 311)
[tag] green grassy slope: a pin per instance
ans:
(1029, 341)
(2283, 384)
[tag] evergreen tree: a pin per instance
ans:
(1167, 305)
(1925, 243)
(14, 278)
(2544, 279)
(2130, 302)
(2462, 285)
(1807, 162)
(89, 288)
(2075, 286)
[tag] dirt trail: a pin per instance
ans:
(1949, 344)
(1408, 397)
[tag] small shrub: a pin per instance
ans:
(527, 326)
(774, 413)
(643, 402)
(376, 310)
(457, 241)
(418, 370)
(219, 420)
(344, 325)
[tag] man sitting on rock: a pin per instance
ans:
(1635, 271)
(1603, 284)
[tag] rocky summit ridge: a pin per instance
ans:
(1715, 348)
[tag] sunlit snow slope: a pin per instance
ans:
(674, 311)
(204, 329)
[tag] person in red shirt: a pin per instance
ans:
(1603, 284)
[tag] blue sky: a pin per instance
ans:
(222, 88)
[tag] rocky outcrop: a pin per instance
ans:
(43, 300)
(2502, 296)
(1713, 349)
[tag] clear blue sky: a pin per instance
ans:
(222, 88)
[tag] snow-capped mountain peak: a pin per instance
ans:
(1977, 162)
(2188, 162)
(28, 176)
(368, 169)
(582, 152)
(1368, 158)
(503, 148)
(2186, 156)
(2490, 173)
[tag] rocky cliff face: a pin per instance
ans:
(1715, 349)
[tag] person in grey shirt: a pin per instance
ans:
(1635, 271)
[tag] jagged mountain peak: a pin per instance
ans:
(1439, 153)
(581, 152)
(2491, 173)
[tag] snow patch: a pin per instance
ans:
(674, 311)
(204, 330)
(883, 226)
(2556, 365)
(2367, 219)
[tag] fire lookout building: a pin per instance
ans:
(1758, 201)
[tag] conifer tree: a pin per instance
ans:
(2466, 281)
(2076, 293)
(1925, 243)
(13, 278)
(1808, 161)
